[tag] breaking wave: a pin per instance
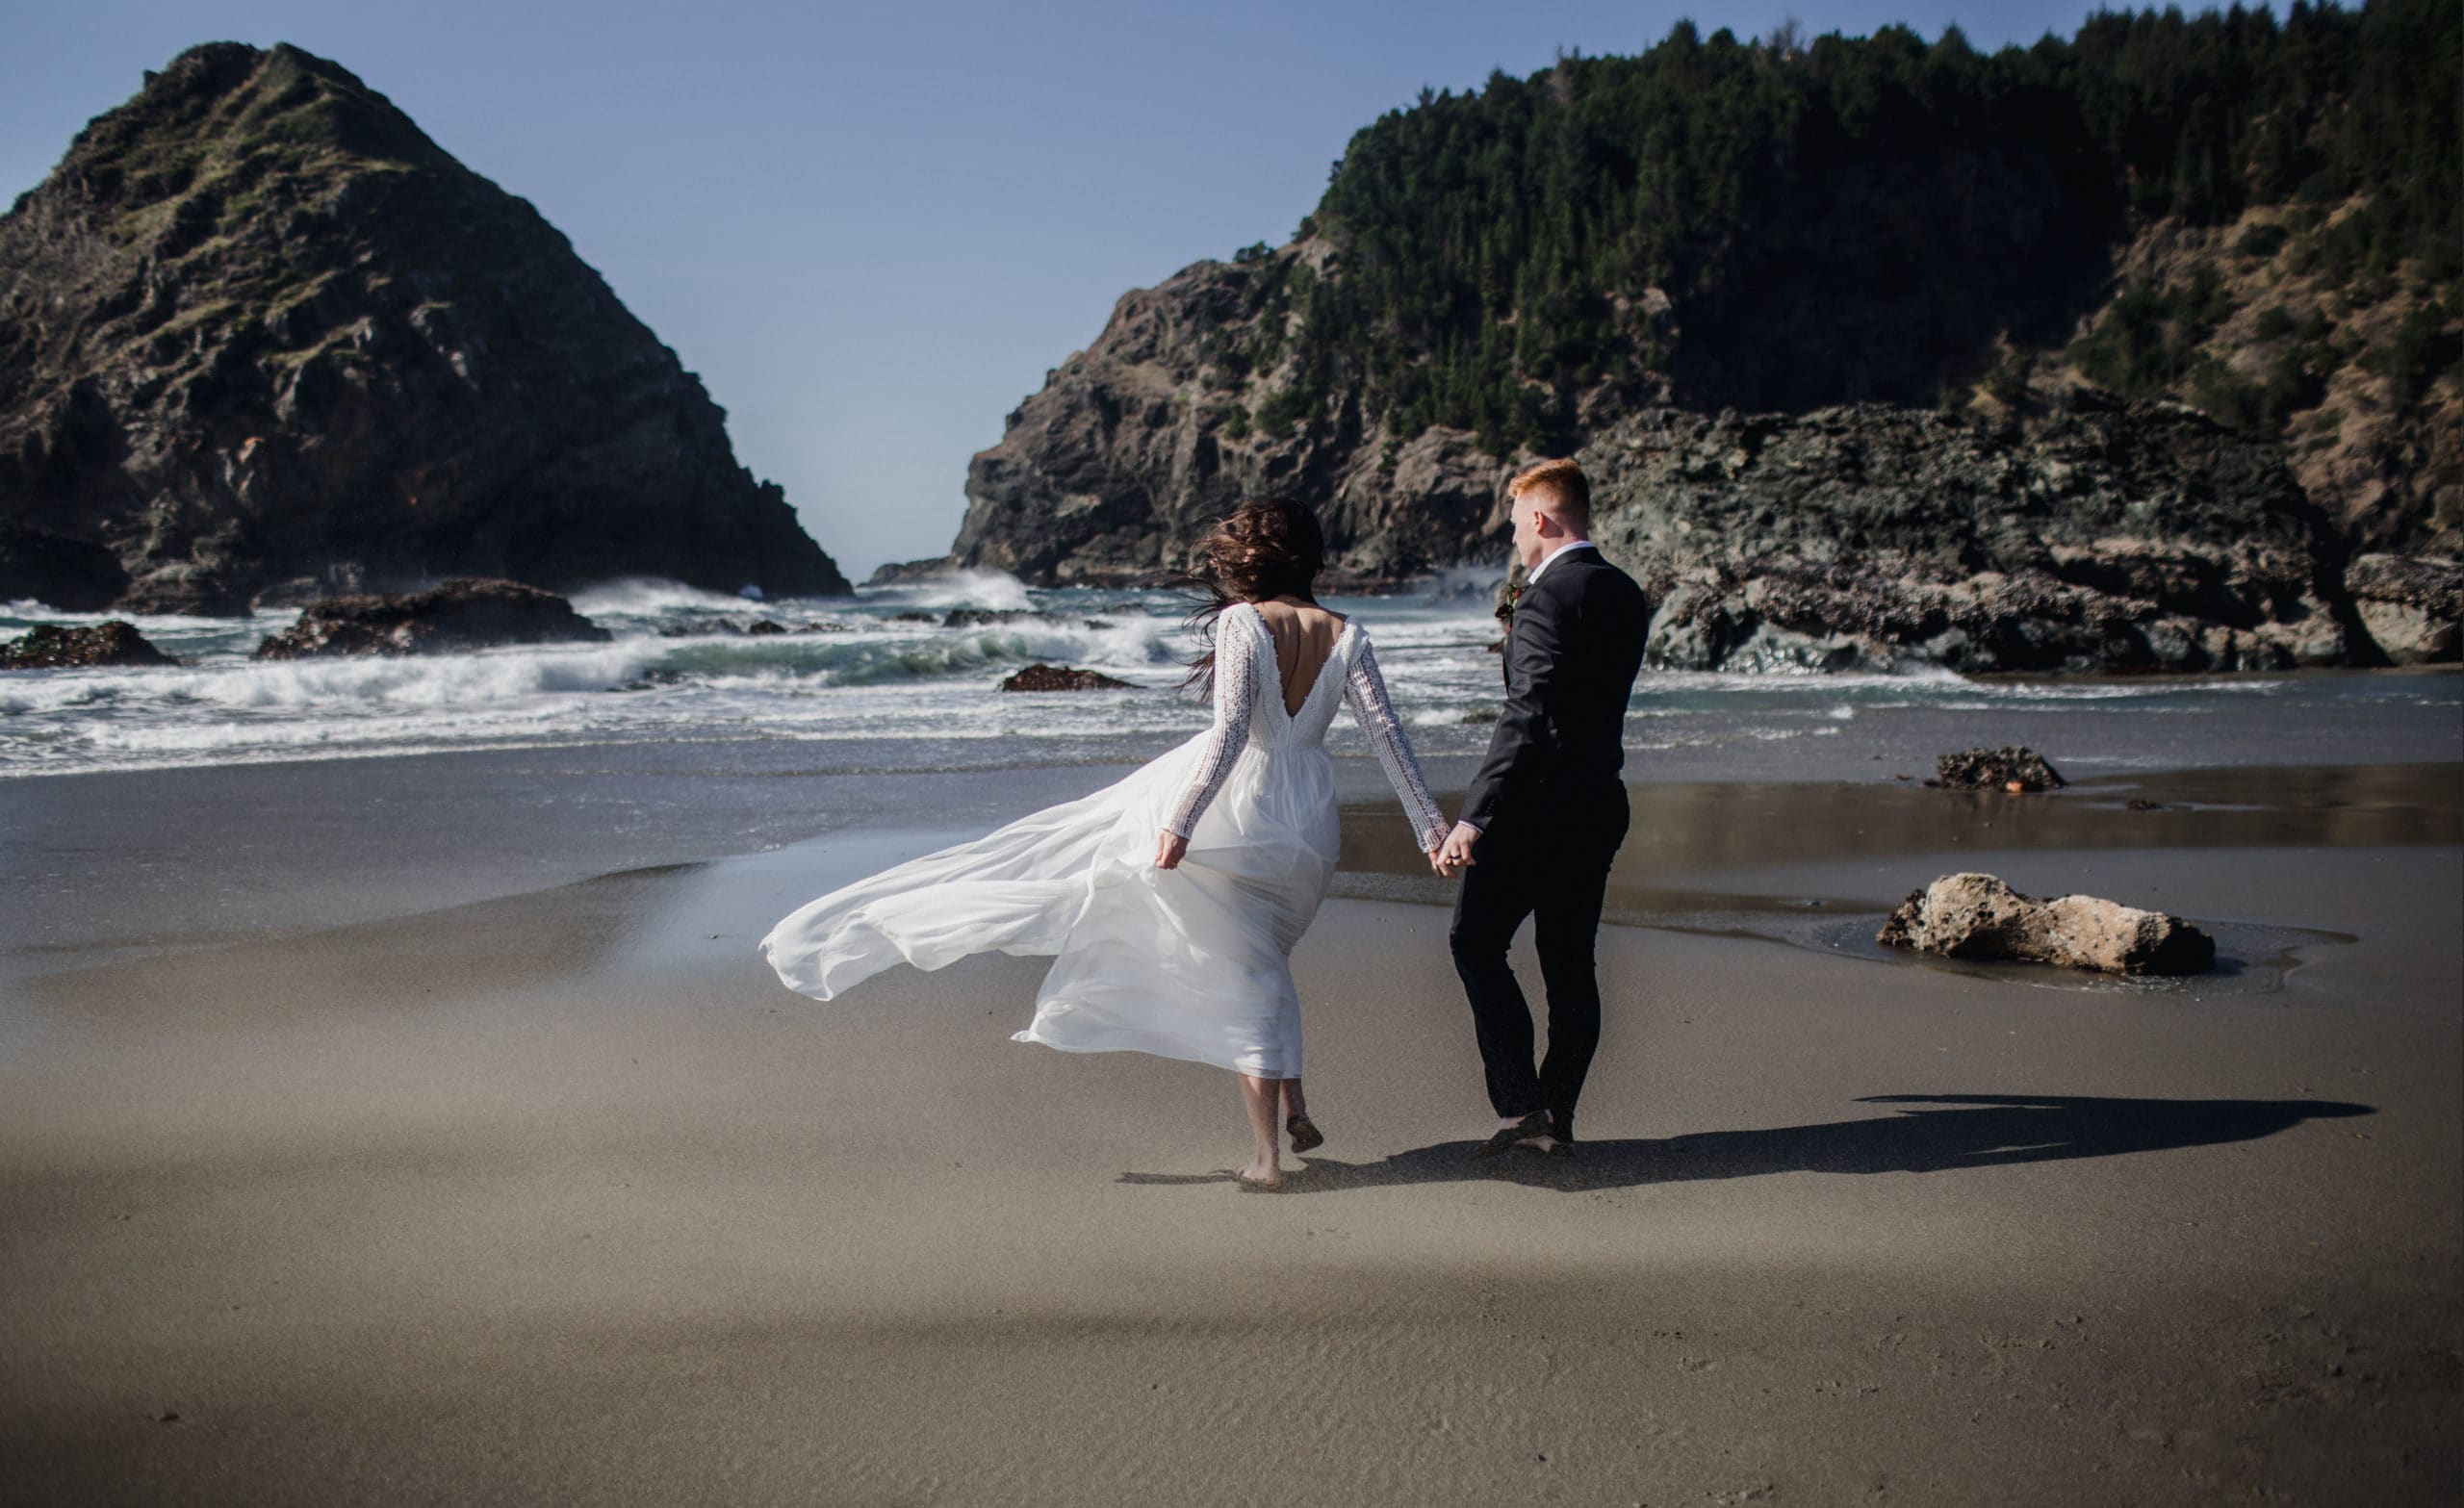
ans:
(911, 664)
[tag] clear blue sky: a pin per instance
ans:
(873, 228)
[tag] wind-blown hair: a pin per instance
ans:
(1266, 548)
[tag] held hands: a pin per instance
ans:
(1170, 846)
(1455, 854)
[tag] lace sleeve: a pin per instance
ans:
(1366, 690)
(1235, 693)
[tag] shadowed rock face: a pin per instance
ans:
(260, 335)
(1977, 916)
(74, 574)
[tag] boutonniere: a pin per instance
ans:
(1505, 609)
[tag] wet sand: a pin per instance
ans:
(556, 1196)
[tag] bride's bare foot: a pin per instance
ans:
(1260, 1172)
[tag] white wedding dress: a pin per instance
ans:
(1190, 962)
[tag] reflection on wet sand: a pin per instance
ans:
(1686, 837)
(1686, 829)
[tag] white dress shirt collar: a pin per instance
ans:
(1551, 558)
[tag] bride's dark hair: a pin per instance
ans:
(1266, 548)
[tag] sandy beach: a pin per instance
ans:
(451, 1175)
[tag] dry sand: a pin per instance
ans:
(560, 1198)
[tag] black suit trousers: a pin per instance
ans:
(1550, 862)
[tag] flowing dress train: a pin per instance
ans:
(1191, 962)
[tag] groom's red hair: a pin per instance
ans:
(1561, 485)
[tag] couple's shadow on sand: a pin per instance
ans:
(1984, 1131)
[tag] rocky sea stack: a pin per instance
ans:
(262, 339)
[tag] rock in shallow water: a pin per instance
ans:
(2020, 769)
(978, 617)
(1977, 916)
(52, 646)
(1061, 678)
(457, 617)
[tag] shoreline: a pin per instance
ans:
(458, 829)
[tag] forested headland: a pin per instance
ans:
(1861, 218)
(2259, 218)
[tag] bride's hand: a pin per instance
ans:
(1170, 846)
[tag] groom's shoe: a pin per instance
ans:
(1535, 1124)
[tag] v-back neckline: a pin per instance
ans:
(1283, 693)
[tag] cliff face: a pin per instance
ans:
(1114, 469)
(261, 339)
(1138, 444)
(2109, 535)
(2095, 534)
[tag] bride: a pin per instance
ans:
(1171, 901)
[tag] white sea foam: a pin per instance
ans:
(644, 597)
(997, 590)
(490, 677)
(852, 669)
(26, 612)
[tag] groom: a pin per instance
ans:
(1547, 811)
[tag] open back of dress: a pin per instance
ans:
(1303, 640)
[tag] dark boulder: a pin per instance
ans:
(1061, 678)
(55, 647)
(1996, 770)
(457, 617)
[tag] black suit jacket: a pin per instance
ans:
(1571, 659)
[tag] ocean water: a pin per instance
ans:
(889, 670)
